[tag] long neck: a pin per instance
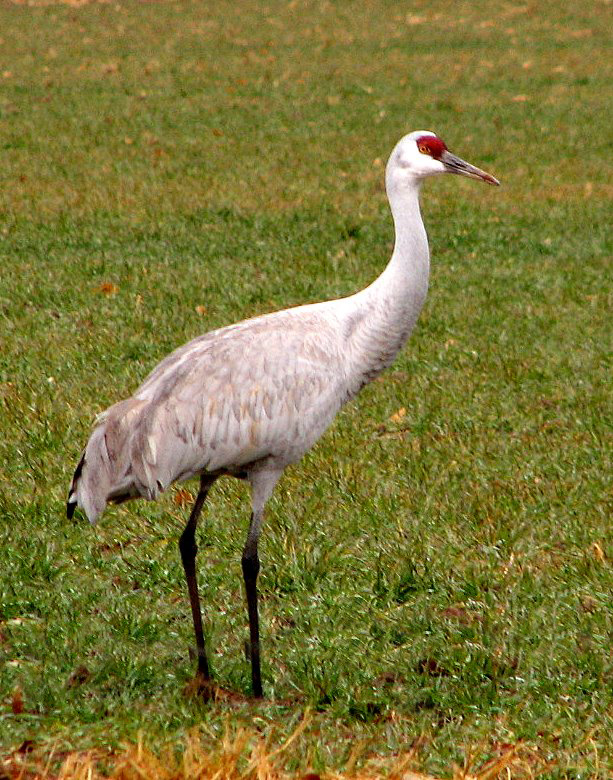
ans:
(399, 292)
(389, 307)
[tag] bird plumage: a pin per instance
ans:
(251, 398)
(264, 388)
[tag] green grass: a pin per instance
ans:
(445, 575)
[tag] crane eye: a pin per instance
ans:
(423, 149)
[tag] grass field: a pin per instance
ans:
(436, 574)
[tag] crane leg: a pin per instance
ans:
(262, 482)
(251, 567)
(188, 549)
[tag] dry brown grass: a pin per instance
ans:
(40, 3)
(243, 755)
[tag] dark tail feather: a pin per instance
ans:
(72, 502)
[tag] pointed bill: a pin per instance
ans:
(457, 165)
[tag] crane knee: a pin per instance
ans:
(251, 566)
(187, 546)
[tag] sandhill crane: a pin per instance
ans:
(251, 398)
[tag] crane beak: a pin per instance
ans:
(455, 164)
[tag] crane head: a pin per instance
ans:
(421, 154)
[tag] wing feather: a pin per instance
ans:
(264, 388)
